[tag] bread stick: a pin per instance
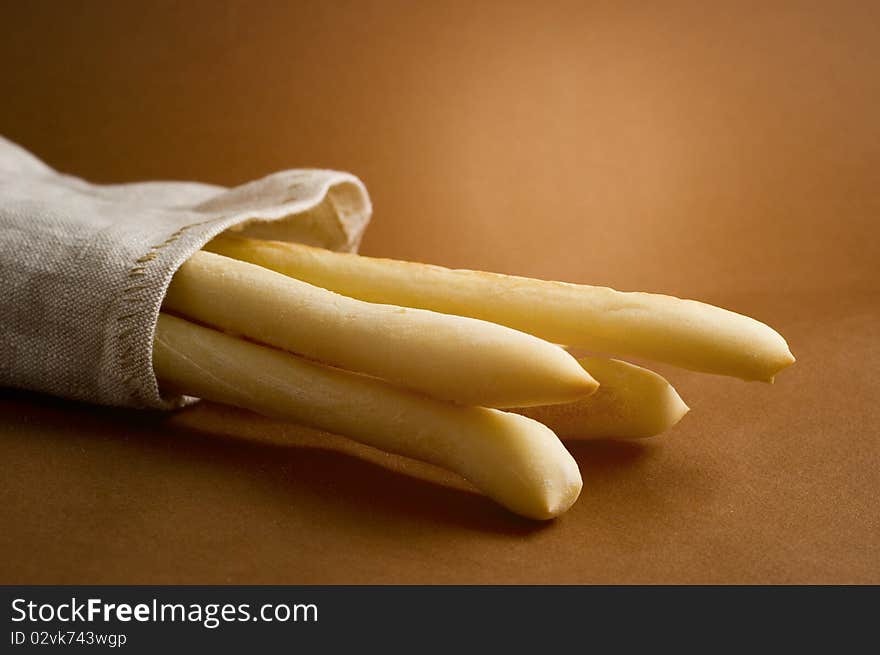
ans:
(514, 460)
(632, 402)
(685, 333)
(449, 357)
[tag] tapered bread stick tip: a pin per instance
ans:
(675, 407)
(562, 499)
(783, 359)
(631, 403)
(568, 375)
(788, 358)
(555, 479)
(667, 408)
(522, 464)
(552, 501)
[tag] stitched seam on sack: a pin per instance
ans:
(136, 274)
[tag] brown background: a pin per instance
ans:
(724, 151)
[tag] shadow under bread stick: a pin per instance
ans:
(632, 402)
(516, 461)
(450, 357)
(685, 333)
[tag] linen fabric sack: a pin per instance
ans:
(84, 267)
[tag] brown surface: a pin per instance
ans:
(724, 152)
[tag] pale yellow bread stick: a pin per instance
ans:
(514, 460)
(685, 333)
(449, 357)
(632, 402)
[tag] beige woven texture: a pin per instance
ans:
(84, 267)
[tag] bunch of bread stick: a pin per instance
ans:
(464, 369)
